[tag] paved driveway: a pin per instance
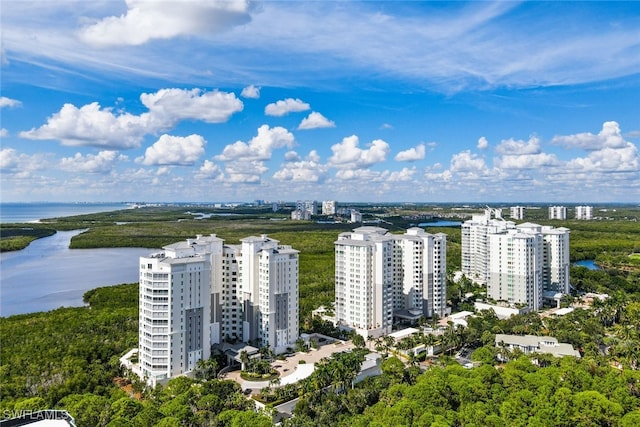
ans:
(290, 369)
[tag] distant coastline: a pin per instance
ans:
(35, 212)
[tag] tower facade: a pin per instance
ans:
(329, 207)
(175, 307)
(558, 212)
(518, 264)
(379, 274)
(475, 242)
(201, 292)
(584, 212)
(517, 212)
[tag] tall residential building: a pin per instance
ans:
(515, 267)
(329, 207)
(584, 212)
(558, 212)
(518, 263)
(421, 264)
(269, 286)
(555, 259)
(475, 242)
(310, 206)
(355, 216)
(175, 307)
(517, 212)
(200, 292)
(379, 274)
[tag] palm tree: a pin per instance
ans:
(244, 359)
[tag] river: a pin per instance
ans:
(47, 274)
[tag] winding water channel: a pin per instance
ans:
(47, 274)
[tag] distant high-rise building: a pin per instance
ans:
(300, 215)
(558, 212)
(199, 292)
(519, 263)
(329, 207)
(475, 242)
(310, 206)
(584, 212)
(517, 212)
(355, 216)
(379, 274)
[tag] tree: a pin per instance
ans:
(358, 340)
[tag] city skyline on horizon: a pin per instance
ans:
(426, 102)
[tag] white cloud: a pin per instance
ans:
(286, 106)
(291, 156)
(467, 162)
(347, 154)
(103, 162)
(386, 126)
(609, 137)
(518, 147)
(21, 165)
(412, 154)
(307, 170)
(260, 147)
(316, 120)
(608, 160)
(169, 106)
(527, 161)
(244, 172)
(482, 143)
(210, 170)
(403, 175)
(146, 20)
(8, 102)
(92, 125)
(4, 133)
(251, 91)
(174, 150)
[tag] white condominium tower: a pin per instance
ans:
(518, 263)
(517, 212)
(175, 307)
(329, 207)
(475, 242)
(200, 292)
(584, 212)
(558, 212)
(555, 259)
(527, 262)
(269, 286)
(515, 267)
(378, 273)
(422, 266)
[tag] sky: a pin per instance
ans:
(374, 101)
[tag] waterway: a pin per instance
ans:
(47, 274)
(589, 263)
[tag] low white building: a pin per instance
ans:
(530, 344)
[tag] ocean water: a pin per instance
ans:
(32, 212)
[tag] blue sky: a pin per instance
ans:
(354, 101)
